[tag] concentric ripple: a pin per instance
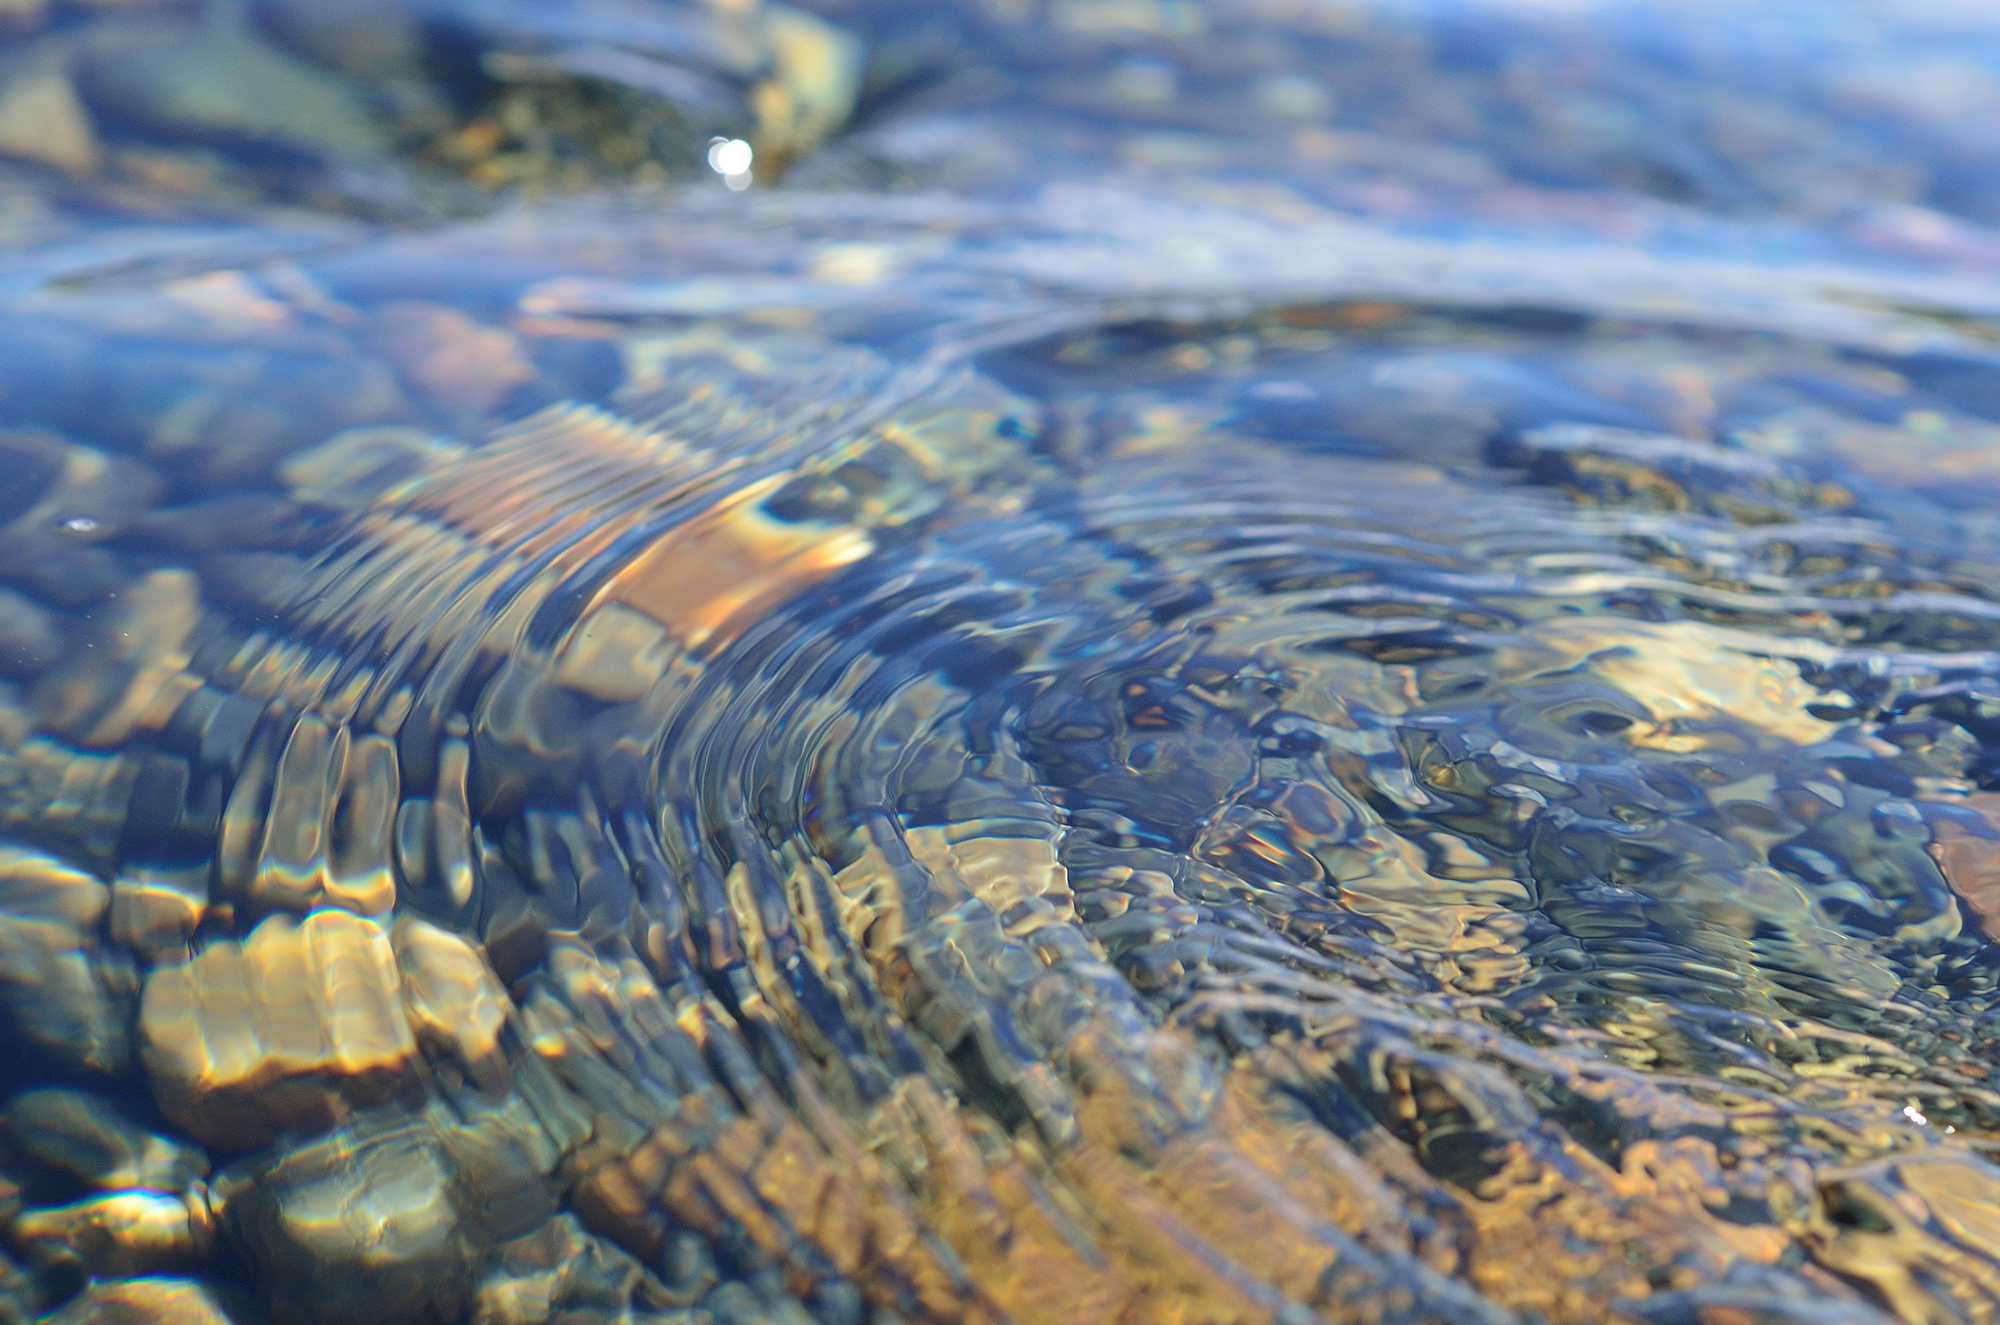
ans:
(863, 849)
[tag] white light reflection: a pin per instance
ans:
(1910, 1112)
(730, 158)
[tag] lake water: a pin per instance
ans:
(1042, 661)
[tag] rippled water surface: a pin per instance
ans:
(1042, 661)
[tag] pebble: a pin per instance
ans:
(237, 433)
(350, 469)
(449, 357)
(36, 465)
(41, 117)
(289, 1028)
(453, 1001)
(1619, 465)
(1967, 850)
(154, 913)
(360, 1225)
(87, 1138)
(57, 500)
(816, 76)
(558, 1269)
(135, 653)
(219, 80)
(59, 989)
(308, 1019)
(122, 1234)
(157, 1301)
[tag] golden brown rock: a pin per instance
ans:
(291, 1027)
(1969, 855)
(453, 1000)
(136, 676)
(126, 1233)
(155, 913)
(151, 1301)
(710, 578)
(59, 987)
(816, 77)
(1920, 1231)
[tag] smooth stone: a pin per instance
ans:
(449, 357)
(41, 117)
(307, 1020)
(98, 701)
(59, 989)
(227, 436)
(562, 1269)
(290, 1028)
(453, 1000)
(816, 77)
(155, 914)
(1656, 469)
(36, 463)
(124, 1233)
(360, 1225)
(57, 500)
(152, 1301)
(220, 81)
(352, 468)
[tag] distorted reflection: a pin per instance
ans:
(1211, 662)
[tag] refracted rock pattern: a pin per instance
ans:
(1024, 713)
(825, 838)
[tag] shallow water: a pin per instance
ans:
(1263, 660)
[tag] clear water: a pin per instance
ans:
(1265, 660)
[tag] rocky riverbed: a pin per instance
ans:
(1013, 660)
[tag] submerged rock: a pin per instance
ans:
(41, 117)
(30, 639)
(358, 1226)
(449, 357)
(151, 1301)
(58, 501)
(352, 468)
(61, 988)
(305, 1020)
(562, 1271)
(217, 80)
(290, 1028)
(124, 1234)
(89, 1139)
(391, 1218)
(1624, 466)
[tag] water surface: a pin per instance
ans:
(1019, 660)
